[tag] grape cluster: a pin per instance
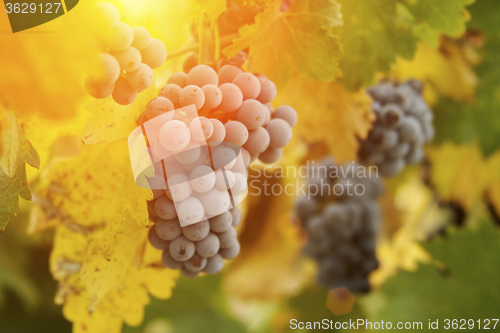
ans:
(206, 127)
(342, 228)
(403, 125)
(126, 58)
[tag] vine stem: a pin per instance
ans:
(225, 40)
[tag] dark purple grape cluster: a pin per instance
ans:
(403, 125)
(342, 227)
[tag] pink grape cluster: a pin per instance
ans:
(205, 128)
(126, 58)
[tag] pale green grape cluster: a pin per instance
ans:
(125, 60)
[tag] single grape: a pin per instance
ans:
(105, 14)
(214, 264)
(227, 73)
(187, 273)
(190, 62)
(191, 210)
(170, 262)
(98, 91)
(252, 114)
(213, 96)
(391, 115)
(202, 178)
(119, 36)
(174, 135)
(208, 246)
(220, 179)
(182, 249)
(165, 209)
(201, 129)
(129, 59)
(179, 187)
(168, 229)
(215, 201)
(385, 140)
(142, 38)
(258, 141)
(155, 54)
(236, 216)
(287, 113)
(280, 133)
(123, 93)
(271, 155)
(240, 184)
(390, 168)
(228, 238)
(204, 159)
(196, 263)
(231, 252)
(202, 75)
(158, 106)
(106, 71)
(268, 90)
(232, 97)
(415, 155)
(192, 95)
(172, 92)
(219, 132)
(156, 241)
(189, 154)
(236, 133)
(141, 78)
(268, 114)
(223, 157)
(221, 223)
(178, 79)
(410, 130)
(249, 85)
(197, 231)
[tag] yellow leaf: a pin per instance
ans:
(300, 37)
(270, 265)
(111, 122)
(9, 142)
(493, 187)
(13, 181)
(447, 70)
(329, 114)
(458, 173)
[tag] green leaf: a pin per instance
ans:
(447, 17)
(17, 185)
(466, 288)
(373, 38)
(376, 33)
(300, 37)
(465, 122)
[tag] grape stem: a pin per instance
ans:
(224, 41)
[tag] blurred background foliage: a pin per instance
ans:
(440, 244)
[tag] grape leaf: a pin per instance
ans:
(329, 113)
(300, 37)
(111, 121)
(100, 257)
(447, 17)
(375, 34)
(472, 264)
(270, 265)
(457, 172)
(15, 185)
(372, 38)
